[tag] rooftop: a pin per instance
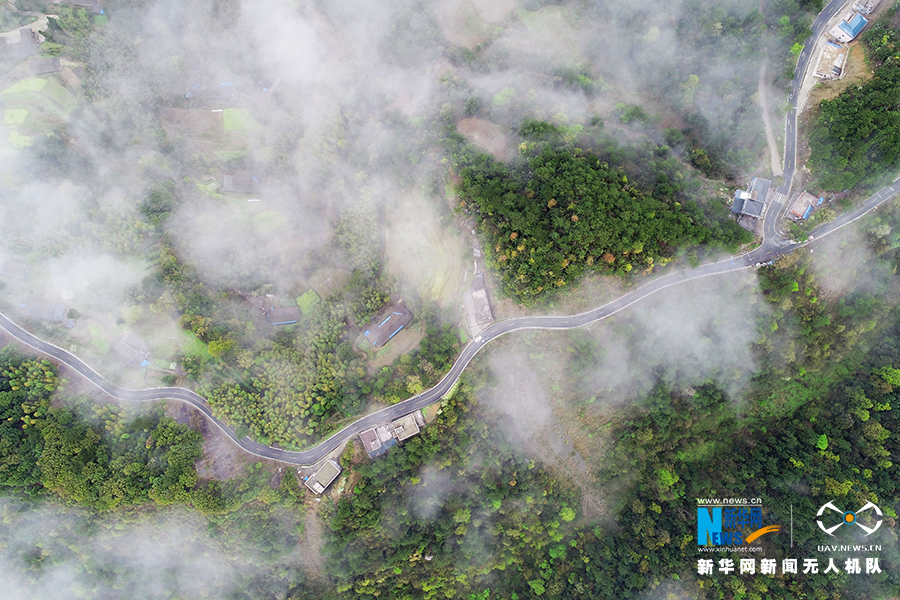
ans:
(41, 309)
(387, 324)
(13, 268)
(370, 441)
(322, 478)
(849, 27)
(752, 202)
(11, 47)
(482, 303)
(283, 315)
(854, 25)
(241, 184)
(803, 205)
(42, 66)
(405, 427)
(131, 351)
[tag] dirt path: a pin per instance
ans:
(774, 154)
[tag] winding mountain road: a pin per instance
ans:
(773, 246)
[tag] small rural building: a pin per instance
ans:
(322, 478)
(483, 314)
(804, 205)
(377, 440)
(241, 184)
(44, 66)
(387, 324)
(132, 351)
(283, 315)
(41, 309)
(405, 427)
(752, 202)
(258, 302)
(849, 27)
(831, 61)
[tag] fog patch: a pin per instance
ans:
(55, 552)
(844, 264)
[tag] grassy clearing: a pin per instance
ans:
(308, 301)
(14, 116)
(35, 84)
(227, 155)
(97, 339)
(238, 119)
(17, 140)
(194, 347)
(425, 253)
(40, 94)
(61, 96)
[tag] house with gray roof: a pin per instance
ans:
(35, 308)
(387, 324)
(44, 66)
(752, 202)
(323, 477)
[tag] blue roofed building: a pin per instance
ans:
(387, 324)
(849, 27)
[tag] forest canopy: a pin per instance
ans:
(565, 210)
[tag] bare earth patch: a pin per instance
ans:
(494, 11)
(431, 412)
(485, 135)
(461, 24)
(222, 459)
(855, 72)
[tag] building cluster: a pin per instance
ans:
(376, 441)
(381, 438)
(833, 57)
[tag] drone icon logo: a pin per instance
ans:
(849, 518)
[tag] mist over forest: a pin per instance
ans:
(177, 176)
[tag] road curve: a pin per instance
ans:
(320, 451)
(772, 247)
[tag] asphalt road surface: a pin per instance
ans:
(773, 246)
(767, 251)
(790, 126)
